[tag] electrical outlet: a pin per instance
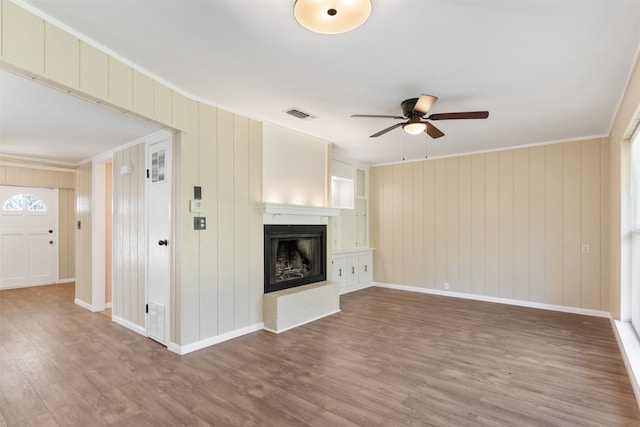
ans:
(585, 249)
(446, 286)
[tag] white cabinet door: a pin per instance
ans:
(365, 270)
(339, 271)
(352, 270)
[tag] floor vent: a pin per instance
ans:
(296, 112)
(156, 322)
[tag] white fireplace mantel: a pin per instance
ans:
(276, 213)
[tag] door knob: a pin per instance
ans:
(163, 242)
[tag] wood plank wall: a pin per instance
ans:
(66, 233)
(108, 230)
(506, 224)
(221, 267)
(30, 174)
(129, 231)
(83, 239)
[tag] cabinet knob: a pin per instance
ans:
(340, 272)
(353, 270)
(365, 267)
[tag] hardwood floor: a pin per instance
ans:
(389, 358)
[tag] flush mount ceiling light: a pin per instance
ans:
(331, 16)
(414, 128)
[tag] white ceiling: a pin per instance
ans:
(38, 122)
(547, 71)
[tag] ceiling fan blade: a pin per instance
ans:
(377, 116)
(383, 131)
(456, 116)
(424, 103)
(433, 131)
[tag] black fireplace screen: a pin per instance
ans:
(294, 255)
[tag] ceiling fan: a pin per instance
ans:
(415, 109)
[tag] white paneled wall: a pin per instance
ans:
(507, 224)
(220, 268)
(83, 233)
(129, 230)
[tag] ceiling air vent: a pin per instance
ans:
(296, 112)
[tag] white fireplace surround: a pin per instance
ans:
(293, 307)
(281, 214)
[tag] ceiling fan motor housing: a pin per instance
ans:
(408, 106)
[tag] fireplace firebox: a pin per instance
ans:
(294, 255)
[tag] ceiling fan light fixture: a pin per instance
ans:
(414, 128)
(331, 16)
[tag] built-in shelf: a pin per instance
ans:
(350, 190)
(342, 192)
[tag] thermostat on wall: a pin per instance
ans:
(196, 205)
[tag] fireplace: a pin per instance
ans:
(294, 255)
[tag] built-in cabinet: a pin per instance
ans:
(352, 259)
(352, 270)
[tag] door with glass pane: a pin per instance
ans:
(28, 236)
(160, 244)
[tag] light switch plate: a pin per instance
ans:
(199, 223)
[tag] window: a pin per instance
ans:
(157, 166)
(20, 202)
(635, 232)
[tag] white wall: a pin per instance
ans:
(294, 168)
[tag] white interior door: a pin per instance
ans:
(28, 236)
(159, 243)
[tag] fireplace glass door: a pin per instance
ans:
(294, 255)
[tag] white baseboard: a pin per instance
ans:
(520, 303)
(207, 342)
(129, 325)
(299, 324)
(85, 305)
(629, 344)
(355, 288)
(25, 286)
(57, 282)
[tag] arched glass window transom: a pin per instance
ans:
(20, 202)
